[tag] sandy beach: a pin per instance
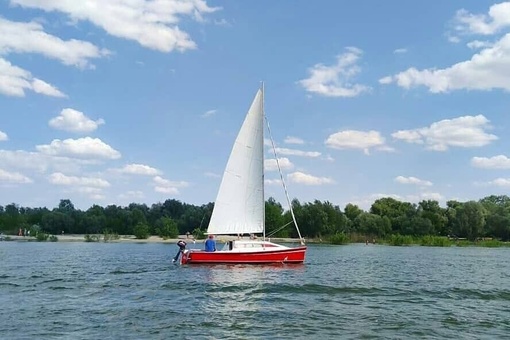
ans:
(151, 239)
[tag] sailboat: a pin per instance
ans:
(239, 208)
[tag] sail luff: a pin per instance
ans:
(239, 205)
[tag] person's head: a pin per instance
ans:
(211, 236)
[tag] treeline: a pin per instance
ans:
(488, 217)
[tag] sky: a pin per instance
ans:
(119, 101)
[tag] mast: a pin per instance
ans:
(263, 172)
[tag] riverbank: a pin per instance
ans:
(133, 239)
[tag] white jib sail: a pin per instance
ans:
(239, 206)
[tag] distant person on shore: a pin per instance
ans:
(210, 244)
(182, 246)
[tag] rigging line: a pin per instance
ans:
(277, 230)
(283, 181)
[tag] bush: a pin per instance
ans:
(400, 240)
(42, 237)
(141, 231)
(435, 241)
(339, 238)
(91, 238)
(109, 235)
(490, 243)
(198, 234)
(53, 238)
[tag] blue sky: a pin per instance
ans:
(115, 101)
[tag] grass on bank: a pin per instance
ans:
(407, 240)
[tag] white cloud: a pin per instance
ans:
(400, 50)
(59, 178)
(410, 136)
(15, 80)
(353, 139)
(302, 178)
(496, 162)
(153, 24)
(335, 80)
(7, 177)
(273, 181)
(132, 194)
(500, 182)
(294, 152)
(165, 186)
(293, 140)
(285, 164)
(139, 169)
(466, 131)
(477, 44)
(74, 121)
(328, 158)
(412, 180)
(29, 37)
(39, 162)
(212, 175)
(3, 136)
(435, 196)
(497, 19)
(93, 148)
(488, 69)
(209, 113)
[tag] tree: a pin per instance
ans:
(352, 211)
(398, 212)
(141, 231)
(372, 224)
(167, 228)
(274, 219)
(469, 220)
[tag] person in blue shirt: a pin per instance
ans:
(210, 244)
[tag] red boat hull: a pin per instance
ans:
(288, 255)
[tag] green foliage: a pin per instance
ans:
(53, 238)
(91, 238)
(339, 238)
(274, 219)
(167, 228)
(400, 240)
(469, 220)
(490, 244)
(198, 234)
(435, 241)
(487, 218)
(141, 231)
(42, 237)
(109, 235)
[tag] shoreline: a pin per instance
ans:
(132, 239)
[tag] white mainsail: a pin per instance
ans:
(239, 206)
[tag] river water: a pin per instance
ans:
(132, 291)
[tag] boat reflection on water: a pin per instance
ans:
(236, 292)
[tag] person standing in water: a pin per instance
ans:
(182, 246)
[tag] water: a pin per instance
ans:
(132, 291)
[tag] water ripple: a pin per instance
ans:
(132, 291)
